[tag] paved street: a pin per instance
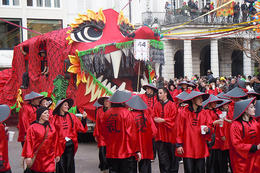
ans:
(86, 157)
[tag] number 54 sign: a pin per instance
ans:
(141, 49)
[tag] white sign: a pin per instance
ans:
(141, 49)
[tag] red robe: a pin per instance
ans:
(241, 143)
(215, 128)
(26, 116)
(150, 101)
(4, 149)
(209, 91)
(146, 132)
(48, 151)
(63, 125)
(166, 131)
(225, 131)
(189, 133)
(120, 133)
(98, 127)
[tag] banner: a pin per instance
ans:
(226, 10)
(141, 49)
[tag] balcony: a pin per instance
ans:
(175, 17)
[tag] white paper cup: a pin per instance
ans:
(203, 132)
(223, 115)
(11, 135)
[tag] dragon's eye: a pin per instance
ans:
(87, 34)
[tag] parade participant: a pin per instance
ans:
(106, 105)
(120, 135)
(213, 163)
(4, 161)
(44, 63)
(149, 97)
(244, 135)
(27, 114)
(67, 126)
(171, 87)
(47, 102)
(184, 86)
(252, 93)
(165, 113)
(236, 94)
(41, 148)
(255, 167)
(224, 147)
(146, 132)
(242, 84)
(192, 133)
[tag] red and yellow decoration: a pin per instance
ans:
(225, 11)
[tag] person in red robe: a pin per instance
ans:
(193, 131)
(41, 144)
(213, 162)
(146, 132)
(67, 126)
(223, 108)
(4, 161)
(244, 137)
(27, 114)
(255, 166)
(150, 98)
(165, 113)
(106, 105)
(47, 102)
(120, 135)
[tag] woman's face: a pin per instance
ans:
(45, 103)
(212, 105)
(65, 107)
(198, 101)
(250, 110)
(45, 116)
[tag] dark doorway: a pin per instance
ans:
(179, 64)
(204, 60)
(237, 62)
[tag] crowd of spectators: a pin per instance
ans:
(241, 12)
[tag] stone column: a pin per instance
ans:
(188, 59)
(214, 62)
(168, 67)
(247, 61)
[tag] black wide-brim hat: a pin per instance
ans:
(257, 109)
(212, 98)
(32, 95)
(150, 86)
(195, 94)
(225, 101)
(221, 95)
(136, 103)
(97, 105)
(241, 106)
(120, 97)
(182, 95)
(48, 99)
(101, 100)
(236, 93)
(4, 112)
(253, 92)
(241, 83)
(56, 110)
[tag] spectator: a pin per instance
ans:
(236, 12)
(184, 9)
(206, 9)
(244, 9)
(211, 7)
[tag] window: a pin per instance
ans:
(16, 3)
(30, 3)
(47, 3)
(43, 26)
(10, 35)
(57, 3)
(5, 2)
(39, 3)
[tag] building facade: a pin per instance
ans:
(183, 57)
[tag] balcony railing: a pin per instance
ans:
(178, 17)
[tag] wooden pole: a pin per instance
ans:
(138, 78)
